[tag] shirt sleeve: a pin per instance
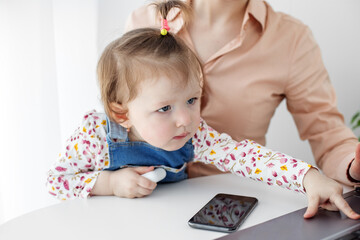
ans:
(85, 155)
(311, 100)
(248, 159)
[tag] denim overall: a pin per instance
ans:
(124, 153)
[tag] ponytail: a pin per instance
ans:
(164, 7)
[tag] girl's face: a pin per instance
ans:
(164, 113)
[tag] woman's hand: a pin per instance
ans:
(125, 182)
(355, 165)
(326, 193)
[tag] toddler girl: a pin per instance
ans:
(151, 86)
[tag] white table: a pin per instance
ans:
(162, 215)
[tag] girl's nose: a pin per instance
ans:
(183, 118)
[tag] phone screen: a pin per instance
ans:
(224, 213)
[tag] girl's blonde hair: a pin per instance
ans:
(142, 54)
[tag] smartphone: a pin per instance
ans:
(223, 213)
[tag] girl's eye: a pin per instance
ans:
(192, 100)
(165, 109)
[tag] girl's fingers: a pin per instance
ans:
(144, 192)
(343, 206)
(329, 206)
(146, 183)
(313, 206)
(142, 170)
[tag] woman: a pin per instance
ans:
(252, 59)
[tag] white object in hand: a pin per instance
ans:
(157, 175)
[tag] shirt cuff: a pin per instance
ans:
(351, 179)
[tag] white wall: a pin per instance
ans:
(75, 34)
(29, 124)
(48, 55)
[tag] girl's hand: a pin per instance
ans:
(326, 193)
(128, 182)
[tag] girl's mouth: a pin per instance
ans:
(181, 136)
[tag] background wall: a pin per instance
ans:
(48, 54)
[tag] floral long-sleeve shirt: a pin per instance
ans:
(86, 154)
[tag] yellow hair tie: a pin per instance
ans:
(163, 31)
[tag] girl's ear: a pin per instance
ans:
(119, 114)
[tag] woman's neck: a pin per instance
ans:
(213, 12)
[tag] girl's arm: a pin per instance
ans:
(78, 171)
(248, 159)
(85, 155)
(252, 160)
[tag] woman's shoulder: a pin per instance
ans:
(283, 21)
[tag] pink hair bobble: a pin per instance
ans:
(164, 27)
